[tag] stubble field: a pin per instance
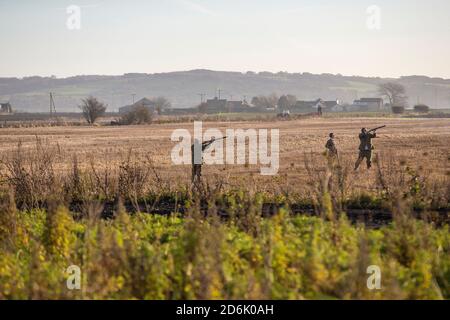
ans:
(420, 144)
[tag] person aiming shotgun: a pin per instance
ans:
(366, 147)
(197, 150)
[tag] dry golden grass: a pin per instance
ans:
(418, 143)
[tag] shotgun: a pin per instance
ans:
(375, 129)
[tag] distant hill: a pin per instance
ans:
(31, 94)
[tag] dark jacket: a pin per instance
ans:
(331, 146)
(204, 146)
(366, 141)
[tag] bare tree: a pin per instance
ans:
(283, 103)
(394, 92)
(92, 109)
(265, 101)
(257, 102)
(161, 103)
(272, 100)
(292, 100)
(138, 115)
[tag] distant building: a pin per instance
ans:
(216, 105)
(421, 108)
(238, 106)
(315, 105)
(306, 105)
(5, 107)
(331, 105)
(144, 102)
(180, 111)
(369, 104)
(235, 106)
(337, 108)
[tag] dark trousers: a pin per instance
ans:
(364, 154)
(196, 173)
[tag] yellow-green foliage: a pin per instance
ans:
(154, 257)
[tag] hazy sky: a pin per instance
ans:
(321, 36)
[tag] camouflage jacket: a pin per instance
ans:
(204, 146)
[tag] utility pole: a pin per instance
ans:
(133, 95)
(219, 91)
(202, 97)
(112, 101)
(52, 105)
(435, 98)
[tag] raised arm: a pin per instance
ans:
(206, 144)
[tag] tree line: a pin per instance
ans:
(92, 109)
